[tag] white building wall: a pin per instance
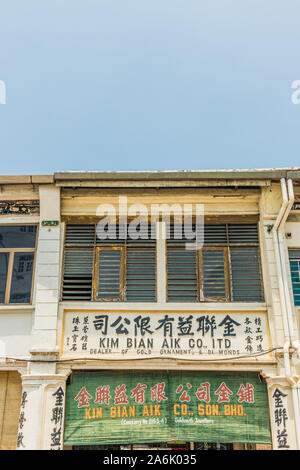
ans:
(36, 331)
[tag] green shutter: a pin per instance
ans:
(294, 256)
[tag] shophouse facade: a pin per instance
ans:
(119, 329)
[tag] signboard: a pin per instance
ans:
(161, 406)
(188, 335)
(281, 417)
(53, 416)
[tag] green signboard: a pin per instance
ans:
(115, 407)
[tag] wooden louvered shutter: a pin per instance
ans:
(10, 399)
(78, 262)
(109, 274)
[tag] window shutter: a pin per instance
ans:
(78, 274)
(182, 274)
(109, 274)
(80, 234)
(215, 235)
(141, 274)
(78, 262)
(213, 275)
(244, 233)
(245, 274)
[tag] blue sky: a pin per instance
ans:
(148, 84)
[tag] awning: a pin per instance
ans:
(118, 407)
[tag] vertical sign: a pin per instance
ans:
(54, 417)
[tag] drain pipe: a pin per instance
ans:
(284, 261)
(294, 340)
(285, 300)
(279, 275)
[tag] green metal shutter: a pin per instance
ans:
(294, 256)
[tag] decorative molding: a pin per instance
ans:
(19, 207)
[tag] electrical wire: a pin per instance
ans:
(92, 359)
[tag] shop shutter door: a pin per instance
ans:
(10, 399)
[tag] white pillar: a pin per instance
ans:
(41, 422)
(282, 414)
(161, 261)
(47, 270)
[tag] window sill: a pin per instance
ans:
(16, 308)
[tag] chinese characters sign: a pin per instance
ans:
(22, 420)
(136, 407)
(167, 334)
(57, 415)
(282, 424)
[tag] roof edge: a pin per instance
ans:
(259, 174)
